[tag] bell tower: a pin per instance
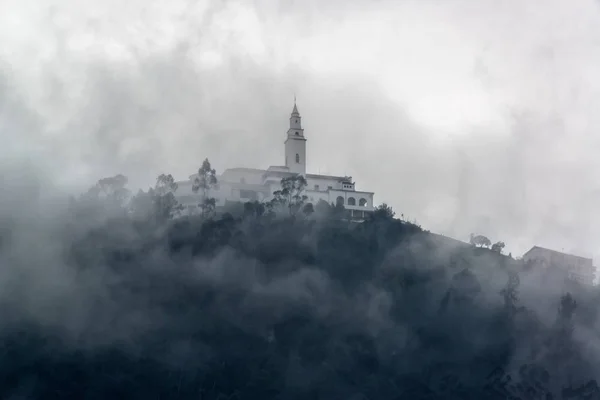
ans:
(295, 144)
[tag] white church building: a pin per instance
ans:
(249, 184)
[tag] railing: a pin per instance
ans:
(359, 208)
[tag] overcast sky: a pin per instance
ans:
(466, 115)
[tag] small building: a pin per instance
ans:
(578, 269)
(250, 184)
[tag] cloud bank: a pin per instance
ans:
(467, 117)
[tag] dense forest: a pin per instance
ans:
(127, 297)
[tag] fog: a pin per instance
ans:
(468, 116)
(464, 116)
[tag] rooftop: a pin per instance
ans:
(557, 252)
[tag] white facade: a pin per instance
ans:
(249, 184)
(579, 269)
(295, 145)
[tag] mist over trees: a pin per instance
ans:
(122, 296)
(204, 182)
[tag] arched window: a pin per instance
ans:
(351, 201)
(362, 202)
(297, 133)
(297, 158)
(339, 201)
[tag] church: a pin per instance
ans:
(250, 184)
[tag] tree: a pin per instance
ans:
(510, 294)
(465, 287)
(108, 193)
(323, 208)
(163, 194)
(566, 310)
(485, 242)
(204, 182)
(498, 247)
(159, 202)
(308, 209)
(254, 209)
(270, 209)
(165, 184)
(141, 205)
(479, 240)
(113, 189)
(560, 342)
(383, 211)
(291, 194)
(208, 206)
(337, 211)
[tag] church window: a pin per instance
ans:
(362, 202)
(351, 201)
(297, 158)
(297, 134)
(339, 201)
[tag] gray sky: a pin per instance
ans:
(468, 116)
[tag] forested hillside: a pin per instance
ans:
(115, 299)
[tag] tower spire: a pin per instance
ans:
(295, 143)
(295, 110)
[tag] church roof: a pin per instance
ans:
(333, 177)
(295, 110)
(245, 169)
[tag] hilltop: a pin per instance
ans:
(112, 302)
